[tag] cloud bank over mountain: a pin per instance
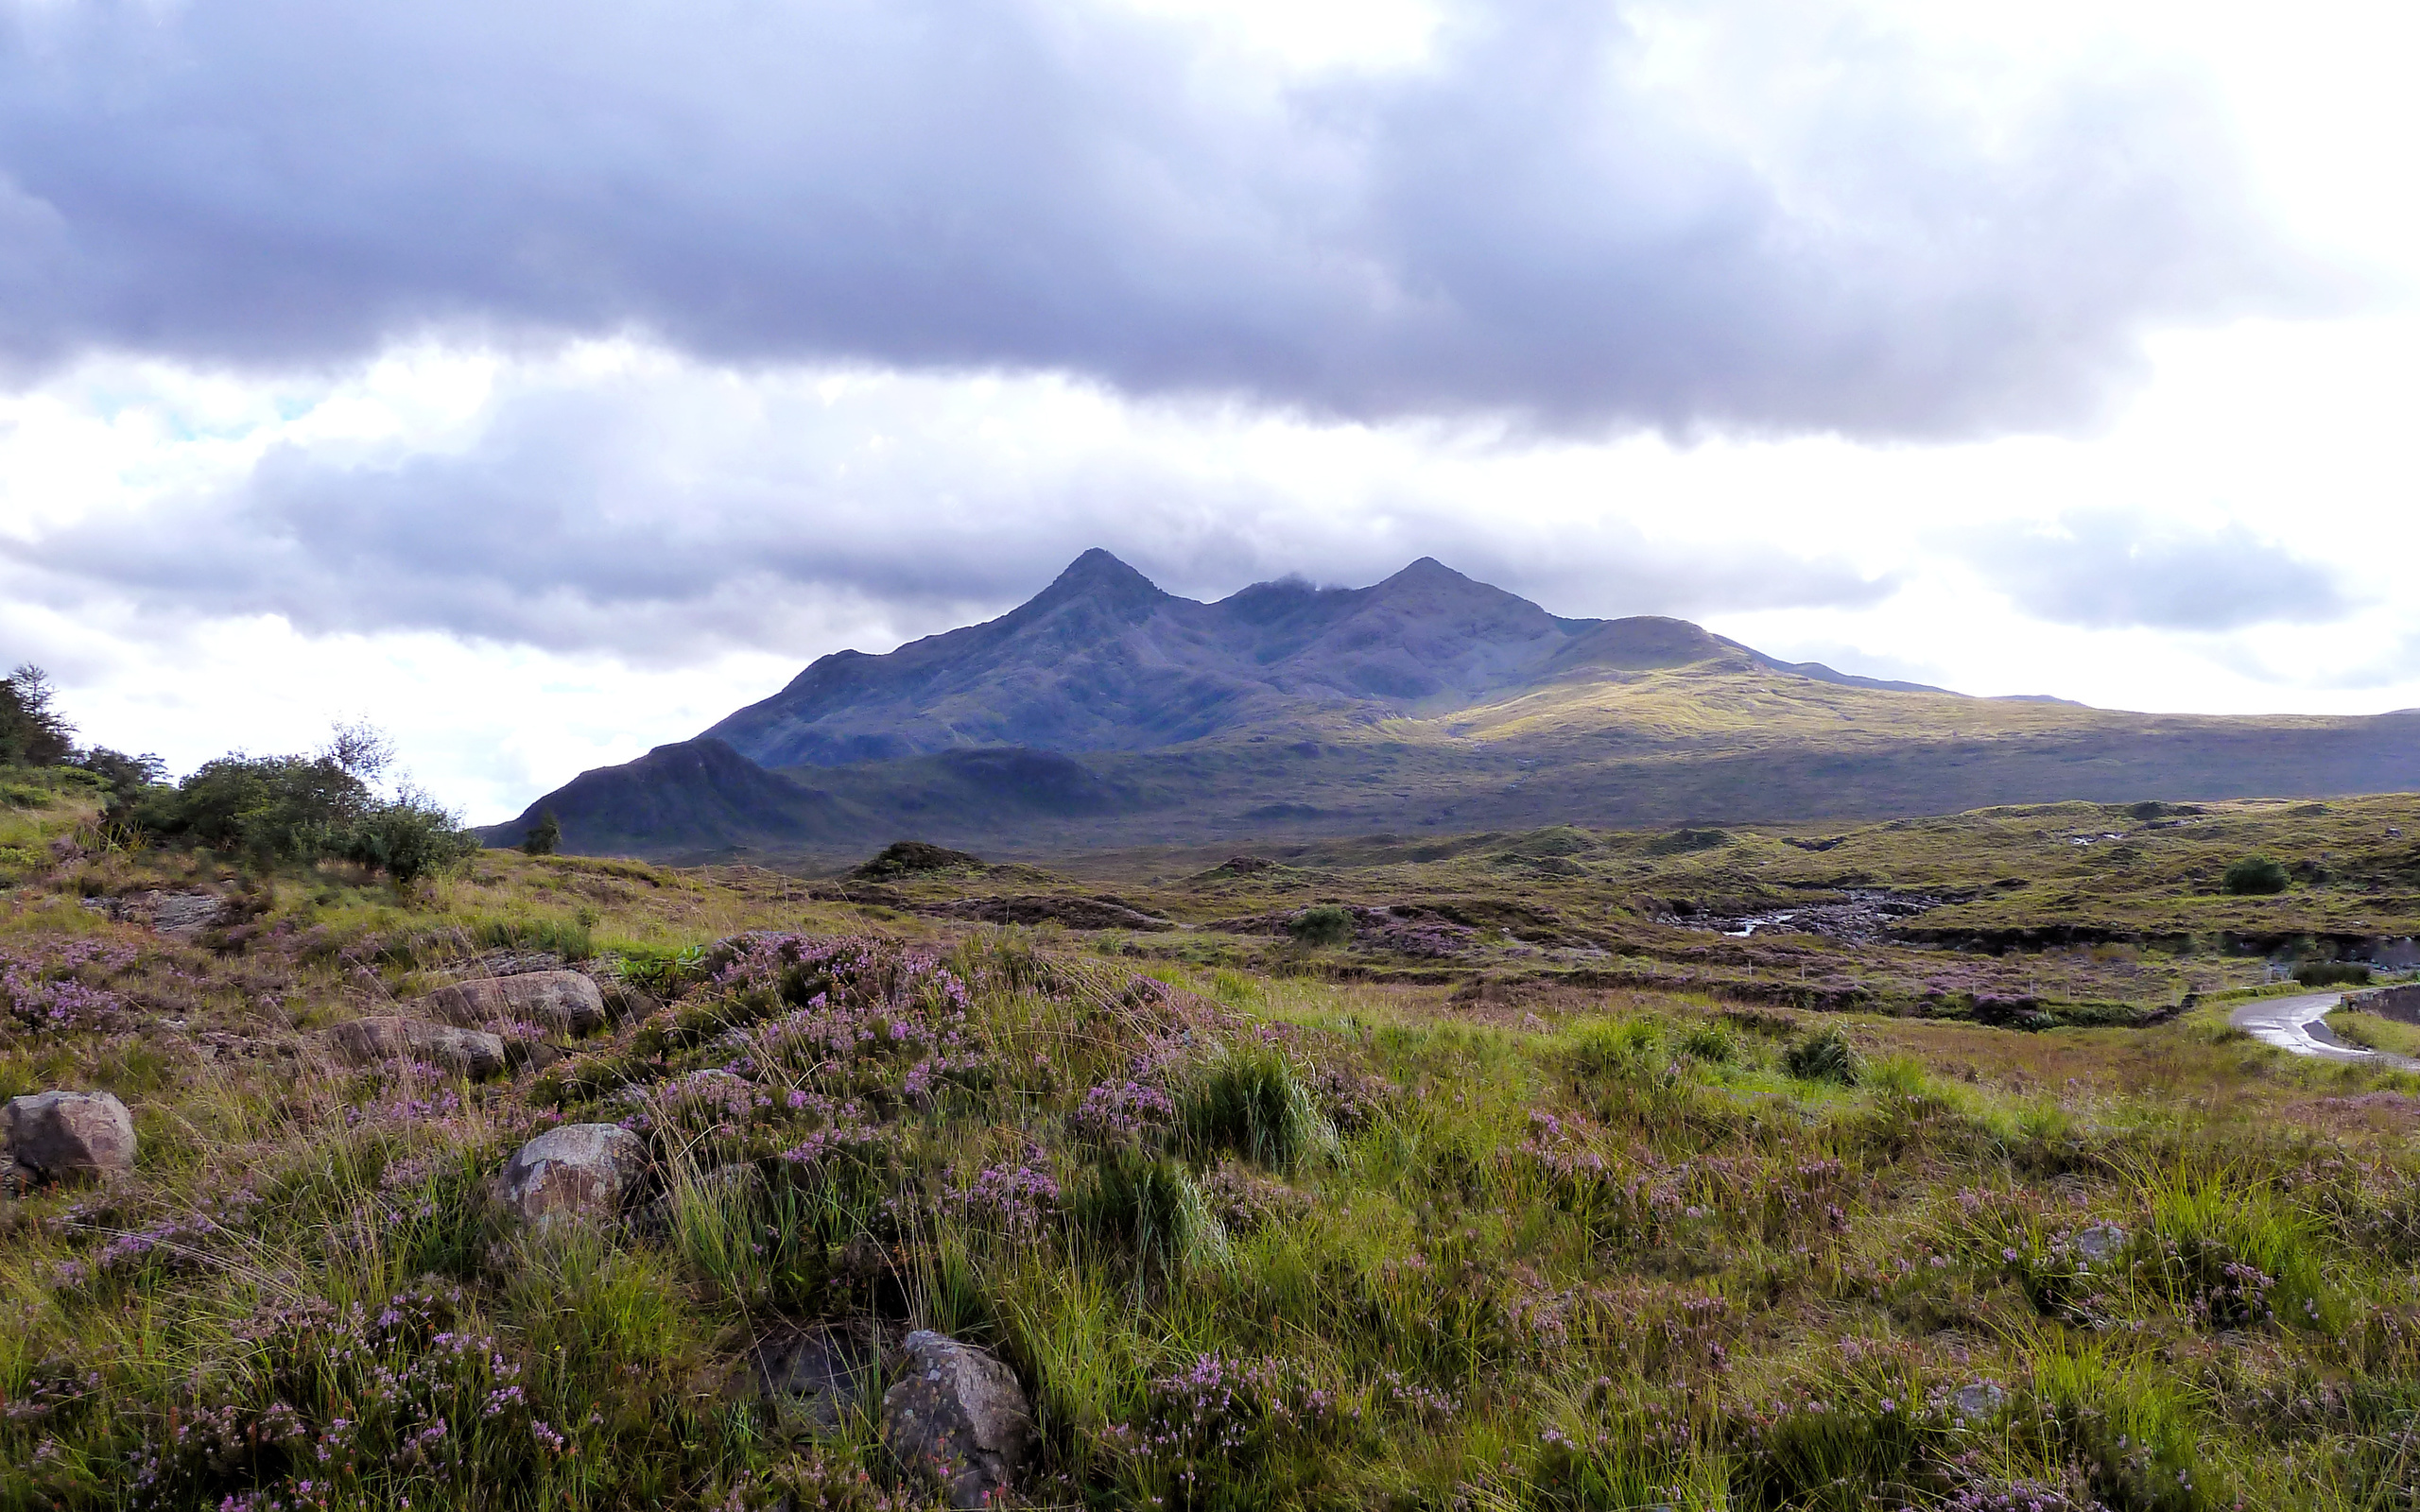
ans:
(1578, 215)
(544, 380)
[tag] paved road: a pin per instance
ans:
(2295, 1023)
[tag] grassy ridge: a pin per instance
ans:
(1248, 1240)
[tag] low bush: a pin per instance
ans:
(1328, 924)
(2331, 974)
(1825, 1056)
(2254, 875)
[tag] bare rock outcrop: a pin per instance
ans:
(471, 1053)
(579, 1173)
(562, 1001)
(62, 1136)
(959, 1416)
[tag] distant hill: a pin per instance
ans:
(1105, 712)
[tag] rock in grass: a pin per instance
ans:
(578, 1173)
(817, 1376)
(959, 1416)
(58, 1136)
(467, 1052)
(1980, 1399)
(2101, 1242)
(565, 1002)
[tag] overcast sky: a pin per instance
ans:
(545, 380)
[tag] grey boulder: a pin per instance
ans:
(959, 1416)
(578, 1173)
(563, 1002)
(58, 1136)
(467, 1052)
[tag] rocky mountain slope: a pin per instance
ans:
(1105, 712)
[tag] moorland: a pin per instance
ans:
(1497, 1169)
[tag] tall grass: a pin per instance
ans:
(1286, 1243)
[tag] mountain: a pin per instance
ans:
(1106, 712)
(1103, 660)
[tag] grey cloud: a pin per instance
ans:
(665, 517)
(1515, 225)
(2107, 570)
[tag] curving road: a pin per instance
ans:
(2296, 1025)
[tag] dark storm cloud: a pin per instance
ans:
(2109, 570)
(1516, 224)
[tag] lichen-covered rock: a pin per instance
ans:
(471, 1053)
(578, 1173)
(61, 1136)
(564, 1001)
(959, 1416)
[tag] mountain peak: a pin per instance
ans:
(1100, 575)
(1428, 569)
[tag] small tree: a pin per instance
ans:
(544, 836)
(2254, 874)
(32, 731)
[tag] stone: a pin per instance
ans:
(565, 1002)
(578, 1173)
(177, 915)
(389, 1037)
(1980, 1399)
(533, 1055)
(2101, 1242)
(817, 1378)
(958, 1415)
(60, 1136)
(624, 1003)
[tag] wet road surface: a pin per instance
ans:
(2295, 1024)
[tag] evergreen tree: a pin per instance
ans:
(545, 835)
(32, 732)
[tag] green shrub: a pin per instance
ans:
(1825, 1056)
(2331, 974)
(2254, 874)
(408, 839)
(663, 974)
(308, 808)
(1249, 1101)
(1328, 924)
(1709, 1042)
(281, 808)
